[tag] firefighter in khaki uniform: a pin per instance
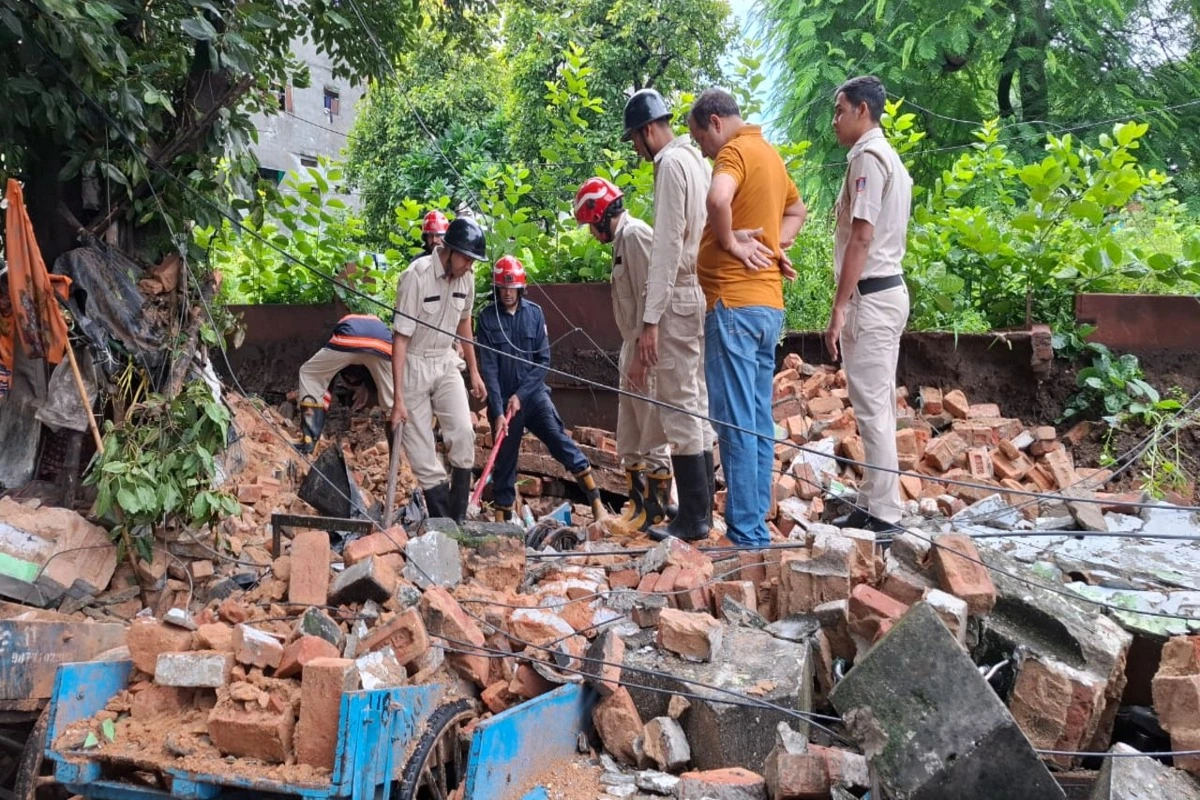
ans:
(870, 308)
(641, 441)
(672, 339)
(433, 302)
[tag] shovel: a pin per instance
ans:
(393, 473)
(473, 507)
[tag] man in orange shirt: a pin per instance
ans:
(754, 213)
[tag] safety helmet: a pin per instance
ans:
(641, 109)
(435, 222)
(593, 199)
(465, 236)
(509, 273)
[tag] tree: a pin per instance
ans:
(1037, 66)
(77, 77)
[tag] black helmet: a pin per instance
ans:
(644, 107)
(466, 237)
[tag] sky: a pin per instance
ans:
(743, 10)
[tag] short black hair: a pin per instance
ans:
(714, 101)
(865, 89)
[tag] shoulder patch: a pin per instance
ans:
(860, 185)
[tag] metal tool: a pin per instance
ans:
(473, 506)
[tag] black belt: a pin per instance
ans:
(871, 285)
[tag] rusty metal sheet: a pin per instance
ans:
(33, 649)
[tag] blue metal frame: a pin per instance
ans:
(512, 749)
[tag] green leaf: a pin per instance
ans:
(90, 742)
(109, 729)
(199, 28)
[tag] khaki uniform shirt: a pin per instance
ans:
(681, 179)
(877, 190)
(426, 294)
(632, 241)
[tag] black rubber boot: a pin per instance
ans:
(634, 515)
(437, 500)
(711, 471)
(695, 502)
(460, 492)
(587, 482)
(659, 508)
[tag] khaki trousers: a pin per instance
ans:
(640, 435)
(433, 386)
(317, 373)
(679, 375)
(870, 349)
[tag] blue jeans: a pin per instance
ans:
(739, 363)
(539, 417)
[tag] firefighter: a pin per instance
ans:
(433, 230)
(672, 338)
(360, 350)
(433, 304)
(512, 331)
(641, 441)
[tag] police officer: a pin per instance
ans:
(672, 338)
(512, 331)
(433, 303)
(433, 230)
(870, 307)
(641, 441)
(360, 343)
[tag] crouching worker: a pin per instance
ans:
(641, 441)
(513, 326)
(360, 350)
(433, 305)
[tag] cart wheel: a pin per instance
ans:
(29, 772)
(438, 765)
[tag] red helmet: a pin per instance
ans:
(509, 273)
(593, 199)
(435, 222)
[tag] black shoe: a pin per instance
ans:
(437, 500)
(711, 471)
(695, 502)
(460, 492)
(861, 520)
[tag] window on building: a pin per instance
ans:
(307, 161)
(332, 102)
(284, 95)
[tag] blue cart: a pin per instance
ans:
(403, 743)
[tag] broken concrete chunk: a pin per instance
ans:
(752, 663)
(693, 636)
(433, 560)
(992, 512)
(930, 725)
(202, 669)
(1088, 515)
(255, 648)
(603, 663)
(381, 669)
(665, 743)
(180, 618)
(48, 552)
(734, 783)
(316, 622)
(1129, 777)
(656, 782)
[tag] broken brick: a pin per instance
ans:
(405, 633)
(961, 573)
(445, 618)
(322, 684)
(309, 584)
(255, 648)
(931, 400)
(955, 403)
(739, 591)
(147, 638)
(731, 783)
(252, 732)
(619, 726)
(692, 636)
(979, 464)
(300, 652)
(869, 609)
(376, 544)
(944, 451)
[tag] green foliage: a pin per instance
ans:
(1114, 387)
(159, 466)
(1014, 243)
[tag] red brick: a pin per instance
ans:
(1008, 467)
(979, 464)
(751, 567)
(160, 701)
(1180, 656)
(605, 654)
(869, 608)
(814, 385)
(256, 648)
(807, 485)
(201, 570)
(785, 487)
(323, 682)
(445, 618)
(1042, 479)
(309, 584)
(1078, 433)
(264, 734)
(528, 684)
(955, 402)
(618, 725)
(666, 581)
(797, 428)
(961, 574)
(740, 591)
(405, 634)
(909, 443)
(983, 411)
(711, 783)
(852, 448)
(649, 582)
(249, 494)
(392, 540)
(624, 579)
(234, 612)
(147, 638)
(692, 595)
(683, 555)
(1061, 470)
(1042, 704)
(695, 637)
(931, 400)
(944, 451)
(911, 487)
(1045, 433)
(498, 697)
(796, 776)
(784, 407)
(302, 651)
(825, 407)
